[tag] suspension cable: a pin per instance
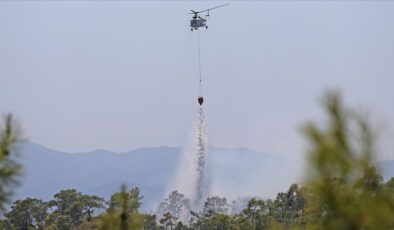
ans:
(199, 62)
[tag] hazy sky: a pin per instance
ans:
(122, 75)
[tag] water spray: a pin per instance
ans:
(200, 150)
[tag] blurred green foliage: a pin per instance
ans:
(347, 192)
(9, 169)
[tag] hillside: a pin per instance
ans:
(231, 172)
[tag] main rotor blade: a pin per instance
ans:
(217, 6)
(197, 12)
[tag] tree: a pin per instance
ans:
(40, 213)
(150, 222)
(68, 208)
(72, 208)
(295, 202)
(346, 190)
(57, 221)
(281, 204)
(27, 213)
(256, 210)
(168, 221)
(213, 216)
(116, 221)
(214, 205)
(75, 212)
(176, 204)
(181, 226)
(64, 199)
(132, 199)
(122, 212)
(90, 204)
(196, 220)
(9, 168)
(218, 221)
(241, 222)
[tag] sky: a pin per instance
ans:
(120, 75)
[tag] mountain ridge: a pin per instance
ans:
(231, 172)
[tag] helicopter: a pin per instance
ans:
(199, 21)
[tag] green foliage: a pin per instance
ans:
(256, 213)
(175, 204)
(218, 221)
(215, 205)
(115, 221)
(90, 204)
(130, 200)
(346, 189)
(288, 207)
(123, 213)
(58, 221)
(27, 213)
(150, 222)
(168, 221)
(9, 168)
(65, 200)
(181, 226)
(72, 208)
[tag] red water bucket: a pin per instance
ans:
(200, 100)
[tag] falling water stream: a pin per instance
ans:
(200, 151)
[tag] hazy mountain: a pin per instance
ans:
(99, 172)
(231, 172)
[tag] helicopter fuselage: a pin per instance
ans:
(195, 23)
